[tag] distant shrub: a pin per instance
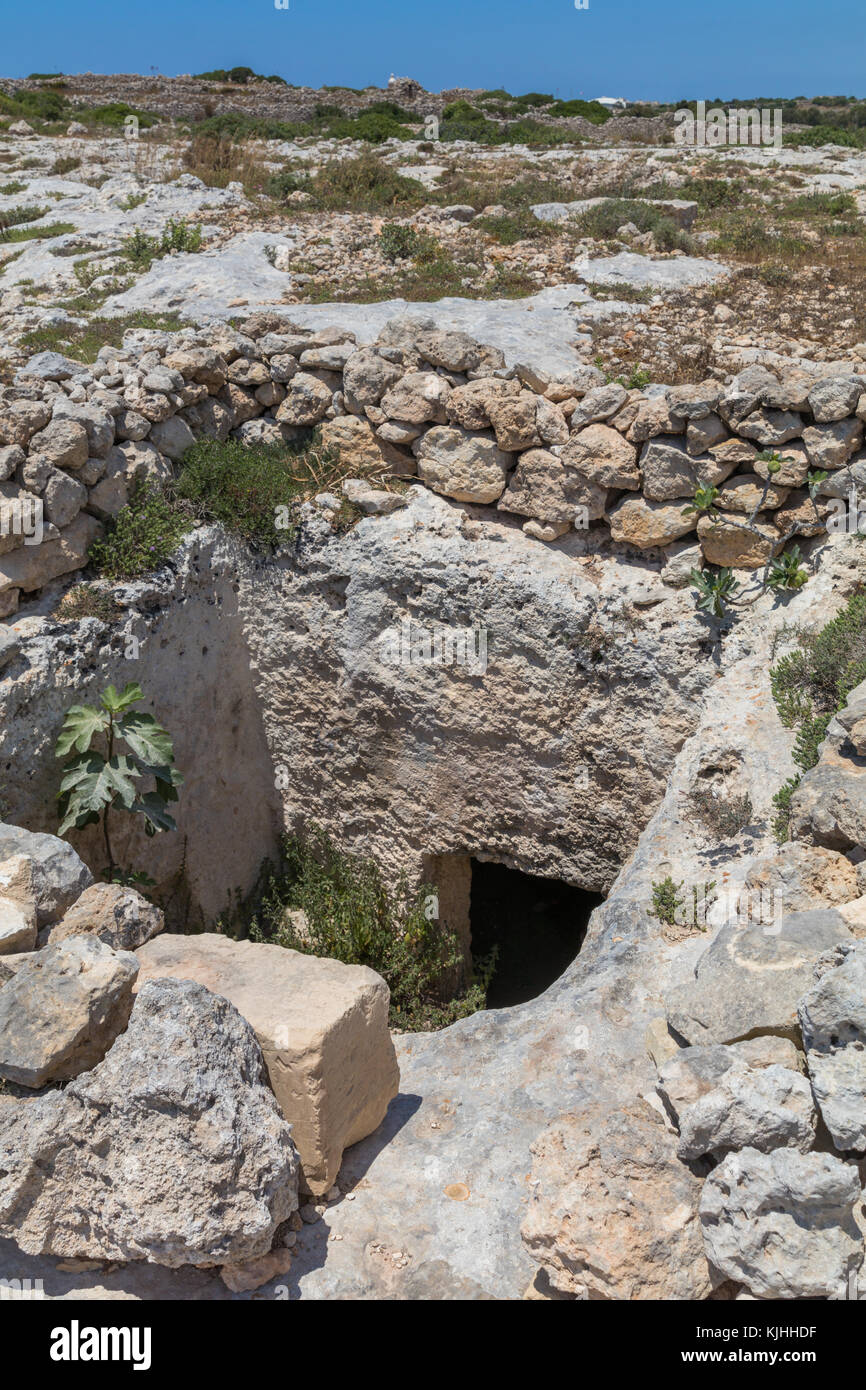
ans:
(177, 235)
(397, 242)
(591, 110)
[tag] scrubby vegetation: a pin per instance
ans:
(811, 683)
(143, 536)
(142, 250)
(352, 915)
(83, 341)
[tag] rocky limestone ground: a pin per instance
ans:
(623, 1140)
(464, 222)
(680, 1115)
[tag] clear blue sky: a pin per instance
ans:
(641, 49)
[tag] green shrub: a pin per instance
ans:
(8, 234)
(364, 184)
(113, 114)
(811, 683)
(781, 822)
(86, 601)
(142, 250)
(397, 242)
(520, 225)
(141, 538)
(604, 220)
(355, 917)
(12, 217)
(591, 110)
(252, 491)
(825, 135)
(280, 185)
(666, 901)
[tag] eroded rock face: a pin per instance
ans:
(172, 1150)
(783, 1223)
(611, 1215)
(323, 1030)
(775, 958)
(833, 1020)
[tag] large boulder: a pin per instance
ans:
(542, 487)
(33, 566)
(17, 926)
(322, 1027)
(56, 877)
(829, 806)
(63, 1009)
(417, 398)
(782, 1223)
(307, 399)
(613, 1212)
(751, 977)
(172, 1150)
(120, 917)
(833, 1021)
(737, 545)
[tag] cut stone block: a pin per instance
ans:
(322, 1027)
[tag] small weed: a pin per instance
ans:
(725, 816)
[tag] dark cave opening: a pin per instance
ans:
(536, 924)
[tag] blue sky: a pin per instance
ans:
(635, 48)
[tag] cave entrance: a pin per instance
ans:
(537, 924)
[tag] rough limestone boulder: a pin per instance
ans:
(57, 876)
(767, 1108)
(645, 524)
(63, 1009)
(613, 1212)
(783, 1223)
(468, 467)
(120, 917)
(172, 1150)
(322, 1027)
(751, 978)
(833, 1020)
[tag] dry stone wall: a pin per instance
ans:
(564, 452)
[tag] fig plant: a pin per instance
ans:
(130, 749)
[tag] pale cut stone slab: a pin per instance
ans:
(322, 1027)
